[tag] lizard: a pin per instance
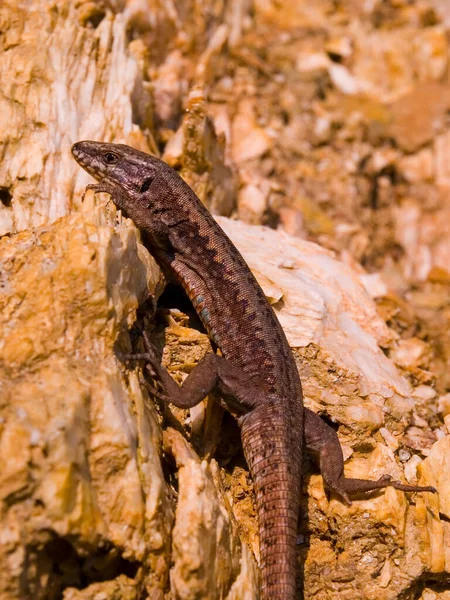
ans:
(255, 372)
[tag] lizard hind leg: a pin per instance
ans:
(322, 439)
(212, 372)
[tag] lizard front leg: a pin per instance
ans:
(322, 439)
(98, 188)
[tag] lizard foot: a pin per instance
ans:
(150, 356)
(149, 359)
(154, 391)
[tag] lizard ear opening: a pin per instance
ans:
(146, 185)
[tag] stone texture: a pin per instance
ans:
(94, 449)
(203, 565)
(419, 115)
(332, 124)
(84, 452)
(52, 97)
(199, 153)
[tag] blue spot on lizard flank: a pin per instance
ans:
(204, 315)
(198, 300)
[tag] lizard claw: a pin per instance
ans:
(92, 186)
(398, 485)
(150, 356)
(151, 361)
(149, 347)
(154, 391)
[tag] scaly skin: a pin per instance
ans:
(256, 375)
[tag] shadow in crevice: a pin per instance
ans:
(54, 563)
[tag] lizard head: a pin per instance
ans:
(124, 172)
(131, 170)
(144, 187)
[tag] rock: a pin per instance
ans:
(412, 352)
(423, 237)
(122, 588)
(444, 404)
(313, 217)
(390, 439)
(292, 221)
(82, 476)
(173, 152)
(70, 363)
(168, 89)
(207, 553)
(443, 10)
(418, 167)
(287, 16)
(199, 152)
(424, 392)
(312, 64)
(374, 285)
(39, 121)
(322, 129)
(248, 140)
(419, 115)
(411, 469)
(381, 159)
(439, 275)
(442, 149)
(388, 62)
(430, 594)
(419, 439)
(339, 46)
(436, 470)
(344, 108)
(431, 53)
(343, 79)
(253, 200)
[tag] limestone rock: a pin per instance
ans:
(430, 594)
(82, 480)
(86, 496)
(80, 440)
(199, 152)
(98, 90)
(423, 235)
(248, 139)
(203, 565)
(389, 62)
(121, 588)
(333, 120)
(50, 100)
(419, 115)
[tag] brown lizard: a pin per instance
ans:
(256, 375)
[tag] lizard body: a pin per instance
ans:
(256, 375)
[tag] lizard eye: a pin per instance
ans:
(146, 184)
(110, 158)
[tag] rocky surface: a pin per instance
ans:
(326, 121)
(82, 487)
(88, 476)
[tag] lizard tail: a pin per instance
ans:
(269, 447)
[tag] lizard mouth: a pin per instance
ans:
(80, 152)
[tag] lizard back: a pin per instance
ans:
(238, 317)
